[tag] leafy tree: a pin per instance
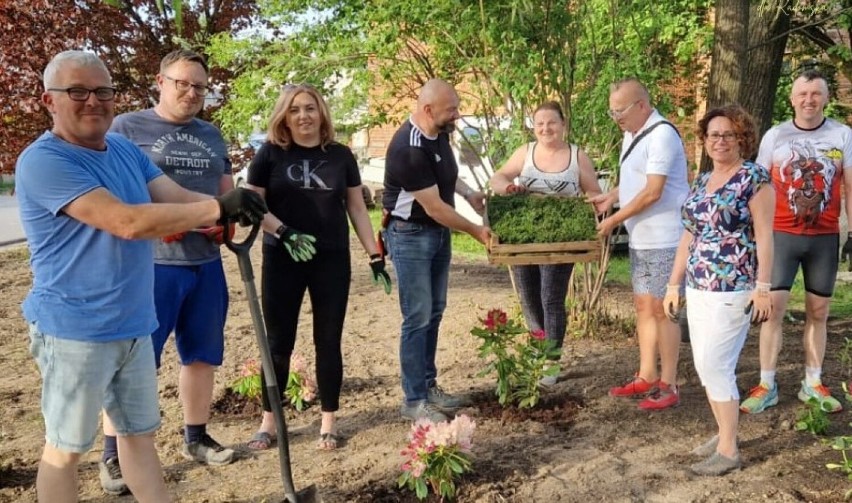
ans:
(505, 56)
(130, 35)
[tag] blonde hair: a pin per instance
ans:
(278, 132)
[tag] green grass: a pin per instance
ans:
(619, 269)
(841, 302)
(6, 187)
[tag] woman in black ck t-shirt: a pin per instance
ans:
(310, 184)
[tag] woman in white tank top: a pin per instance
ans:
(550, 166)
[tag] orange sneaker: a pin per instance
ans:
(633, 388)
(662, 397)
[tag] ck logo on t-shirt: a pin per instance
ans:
(304, 174)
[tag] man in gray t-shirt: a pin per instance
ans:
(190, 293)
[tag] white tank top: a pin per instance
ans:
(565, 182)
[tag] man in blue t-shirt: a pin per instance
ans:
(89, 203)
(190, 293)
(421, 179)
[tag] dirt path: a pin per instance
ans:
(609, 452)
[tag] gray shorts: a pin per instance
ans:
(818, 256)
(650, 270)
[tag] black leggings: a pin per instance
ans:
(542, 290)
(326, 277)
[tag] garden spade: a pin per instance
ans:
(309, 494)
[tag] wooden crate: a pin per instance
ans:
(544, 253)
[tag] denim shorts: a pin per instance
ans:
(79, 378)
(650, 270)
(192, 301)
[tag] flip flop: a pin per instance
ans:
(328, 441)
(261, 441)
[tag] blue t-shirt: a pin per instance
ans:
(195, 156)
(88, 284)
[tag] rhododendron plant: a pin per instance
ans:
(437, 455)
(248, 384)
(301, 389)
(519, 358)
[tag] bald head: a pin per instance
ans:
(632, 89)
(432, 90)
(437, 107)
(629, 104)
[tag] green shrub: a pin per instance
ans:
(529, 218)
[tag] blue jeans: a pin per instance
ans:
(421, 257)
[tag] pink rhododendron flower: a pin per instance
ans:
(298, 363)
(309, 389)
(250, 368)
(537, 334)
(436, 455)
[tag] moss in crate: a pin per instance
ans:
(525, 218)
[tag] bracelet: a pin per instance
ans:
(762, 287)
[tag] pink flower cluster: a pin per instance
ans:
(429, 439)
(298, 363)
(307, 387)
(251, 367)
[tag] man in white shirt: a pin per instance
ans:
(653, 186)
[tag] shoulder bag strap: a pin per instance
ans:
(643, 134)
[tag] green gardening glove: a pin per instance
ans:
(300, 246)
(380, 276)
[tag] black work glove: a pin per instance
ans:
(380, 276)
(299, 245)
(846, 251)
(243, 205)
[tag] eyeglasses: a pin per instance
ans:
(617, 114)
(715, 137)
(184, 86)
(82, 93)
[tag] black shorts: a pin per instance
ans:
(818, 256)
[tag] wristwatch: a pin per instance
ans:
(280, 231)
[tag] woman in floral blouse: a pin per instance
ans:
(726, 255)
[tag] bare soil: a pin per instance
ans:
(581, 446)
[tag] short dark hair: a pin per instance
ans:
(744, 126)
(811, 74)
(552, 106)
(182, 55)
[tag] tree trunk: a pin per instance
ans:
(729, 52)
(748, 50)
(769, 23)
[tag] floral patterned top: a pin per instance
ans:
(722, 255)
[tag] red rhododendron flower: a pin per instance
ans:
(537, 334)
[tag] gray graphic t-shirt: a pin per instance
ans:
(195, 156)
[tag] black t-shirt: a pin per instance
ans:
(415, 162)
(306, 189)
